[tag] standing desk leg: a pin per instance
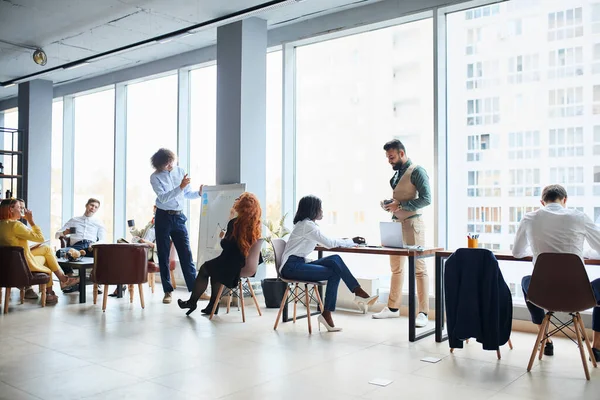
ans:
(411, 299)
(440, 306)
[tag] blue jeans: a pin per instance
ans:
(538, 314)
(330, 268)
(172, 227)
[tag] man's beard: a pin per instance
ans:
(397, 166)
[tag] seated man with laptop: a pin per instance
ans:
(556, 229)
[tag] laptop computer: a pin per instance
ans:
(391, 234)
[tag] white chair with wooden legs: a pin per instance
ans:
(303, 291)
(244, 284)
(560, 283)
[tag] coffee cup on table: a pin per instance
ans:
(73, 230)
(131, 223)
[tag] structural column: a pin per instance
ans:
(35, 122)
(241, 105)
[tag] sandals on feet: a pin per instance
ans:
(51, 298)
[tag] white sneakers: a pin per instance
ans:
(421, 320)
(386, 313)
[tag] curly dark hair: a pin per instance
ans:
(161, 158)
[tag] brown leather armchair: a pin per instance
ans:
(120, 264)
(14, 272)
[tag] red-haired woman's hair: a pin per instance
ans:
(246, 229)
(5, 208)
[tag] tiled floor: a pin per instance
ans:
(73, 351)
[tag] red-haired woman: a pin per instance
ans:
(242, 232)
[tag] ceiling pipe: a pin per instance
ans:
(235, 16)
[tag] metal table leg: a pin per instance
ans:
(82, 279)
(439, 300)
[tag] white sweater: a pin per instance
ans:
(305, 236)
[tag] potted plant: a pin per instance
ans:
(273, 288)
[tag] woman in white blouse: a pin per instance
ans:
(303, 239)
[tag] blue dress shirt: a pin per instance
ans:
(169, 196)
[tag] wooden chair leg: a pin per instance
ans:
(510, 346)
(307, 309)
(576, 319)
(130, 287)
(451, 350)
(587, 342)
(104, 298)
(22, 295)
(43, 287)
(6, 300)
(173, 280)
(241, 300)
(295, 300)
(152, 281)
(537, 341)
(253, 296)
(283, 303)
(498, 354)
(141, 288)
(544, 340)
(95, 295)
(229, 301)
(318, 296)
(214, 309)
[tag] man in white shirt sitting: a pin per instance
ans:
(83, 231)
(556, 229)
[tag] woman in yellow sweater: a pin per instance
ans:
(14, 233)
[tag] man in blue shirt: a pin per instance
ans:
(171, 185)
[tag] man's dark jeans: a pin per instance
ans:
(172, 227)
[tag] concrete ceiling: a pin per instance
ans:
(69, 30)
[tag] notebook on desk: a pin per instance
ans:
(391, 234)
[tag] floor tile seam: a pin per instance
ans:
(167, 387)
(493, 361)
(513, 381)
(21, 390)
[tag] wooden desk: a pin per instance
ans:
(440, 307)
(412, 256)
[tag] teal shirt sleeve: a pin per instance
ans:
(420, 179)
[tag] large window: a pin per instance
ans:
(94, 154)
(543, 109)
(151, 124)
(354, 94)
(203, 118)
(56, 167)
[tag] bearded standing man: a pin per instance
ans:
(411, 193)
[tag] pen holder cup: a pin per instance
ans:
(472, 243)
